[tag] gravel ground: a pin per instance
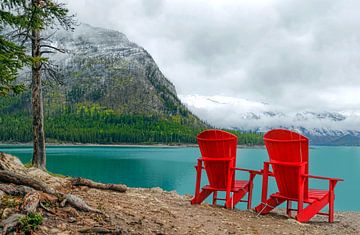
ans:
(154, 211)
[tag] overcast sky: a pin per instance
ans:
(292, 54)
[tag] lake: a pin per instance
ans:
(172, 168)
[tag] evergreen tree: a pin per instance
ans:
(12, 56)
(33, 18)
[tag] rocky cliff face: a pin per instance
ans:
(102, 66)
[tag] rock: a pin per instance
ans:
(72, 220)
(62, 226)
(44, 229)
(54, 231)
(7, 212)
(72, 212)
(64, 233)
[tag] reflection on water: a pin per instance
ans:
(173, 168)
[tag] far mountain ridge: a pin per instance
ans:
(322, 127)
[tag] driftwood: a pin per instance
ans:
(97, 230)
(2, 193)
(78, 203)
(11, 177)
(15, 190)
(39, 189)
(86, 182)
(31, 202)
(11, 223)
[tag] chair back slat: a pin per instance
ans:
(286, 146)
(217, 144)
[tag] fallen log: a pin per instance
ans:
(11, 223)
(72, 200)
(79, 204)
(15, 190)
(11, 177)
(91, 184)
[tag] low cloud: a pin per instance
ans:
(229, 112)
(299, 55)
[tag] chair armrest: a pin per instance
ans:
(219, 159)
(322, 177)
(290, 164)
(270, 173)
(248, 170)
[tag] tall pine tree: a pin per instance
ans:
(34, 19)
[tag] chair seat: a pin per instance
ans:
(313, 195)
(239, 185)
(317, 194)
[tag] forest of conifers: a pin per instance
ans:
(93, 124)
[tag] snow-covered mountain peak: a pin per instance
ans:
(247, 115)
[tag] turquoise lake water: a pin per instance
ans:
(173, 168)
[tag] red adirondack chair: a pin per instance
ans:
(218, 158)
(289, 158)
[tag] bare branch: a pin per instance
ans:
(47, 52)
(52, 72)
(54, 48)
(49, 36)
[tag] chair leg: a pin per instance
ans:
(331, 211)
(250, 195)
(198, 199)
(288, 208)
(331, 200)
(214, 198)
(237, 197)
(311, 210)
(267, 206)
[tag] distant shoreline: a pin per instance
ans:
(123, 145)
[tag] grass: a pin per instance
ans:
(28, 164)
(30, 222)
(8, 201)
(56, 174)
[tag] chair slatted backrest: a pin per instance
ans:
(286, 146)
(217, 144)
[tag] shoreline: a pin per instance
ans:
(124, 145)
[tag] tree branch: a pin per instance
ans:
(54, 48)
(49, 36)
(47, 52)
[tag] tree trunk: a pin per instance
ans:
(39, 157)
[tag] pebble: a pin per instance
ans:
(54, 231)
(72, 220)
(64, 233)
(62, 226)
(44, 229)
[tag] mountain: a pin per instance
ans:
(107, 90)
(322, 127)
(102, 66)
(112, 92)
